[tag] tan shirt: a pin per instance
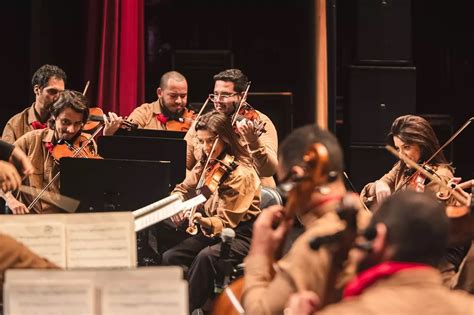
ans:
(408, 292)
(267, 289)
(263, 152)
(16, 255)
(146, 116)
(45, 168)
(236, 200)
(395, 179)
(19, 124)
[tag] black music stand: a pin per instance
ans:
(147, 149)
(151, 133)
(114, 185)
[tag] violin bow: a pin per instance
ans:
(86, 87)
(202, 109)
(76, 153)
(451, 139)
(420, 169)
(200, 184)
(242, 101)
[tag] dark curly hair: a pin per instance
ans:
(70, 99)
(236, 76)
(44, 73)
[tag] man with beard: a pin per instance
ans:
(398, 275)
(68, 115)
(269, 282)
(229, 88)
(170, 105)
(47, 82)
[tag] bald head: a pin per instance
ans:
(173, 75)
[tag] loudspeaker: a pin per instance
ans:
(377, 96)
(278, 106)
(384, 32)
(367, 164)
(199, 66)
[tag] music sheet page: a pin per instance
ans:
(44, 239)
(145, 297)
(74, 297)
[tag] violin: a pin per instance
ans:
(245, 111)
(79, 148)
(96, 118)
(249, 113)
(418, 181)
(182, 123)
(215, 176)
(297, 191)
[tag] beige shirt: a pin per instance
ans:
(408, 292)
(263, 152)
(395, 179)
(45, 168)
(267, 289)
(146, 116)
(236, 200)
(19, 124)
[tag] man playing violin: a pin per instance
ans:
(170, 106)
(233, 204)
(68, 114)
(47, 82)
(269, 282)
(398, 275)
(229, 89)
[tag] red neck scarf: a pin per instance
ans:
(368, 277)
(38, 125)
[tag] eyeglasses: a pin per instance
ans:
(223, 97)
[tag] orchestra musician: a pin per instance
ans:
(413, 137)
(229, 89)
(168, 112)
(398, 275)
(47, 82)
(68, 115)
(269, 281)
(233, 204)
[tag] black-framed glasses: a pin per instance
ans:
(223, 97)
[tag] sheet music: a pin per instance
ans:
(145, 297)
(99, 245)
(75, 297)
(44, 239)
(168, 211)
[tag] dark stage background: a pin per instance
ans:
(392, 57)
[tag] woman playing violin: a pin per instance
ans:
(415, 138)
(168, 112)
(68, 115)
(234, 204)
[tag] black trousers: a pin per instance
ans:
(200, 254)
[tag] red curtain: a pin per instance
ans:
(114, 61)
